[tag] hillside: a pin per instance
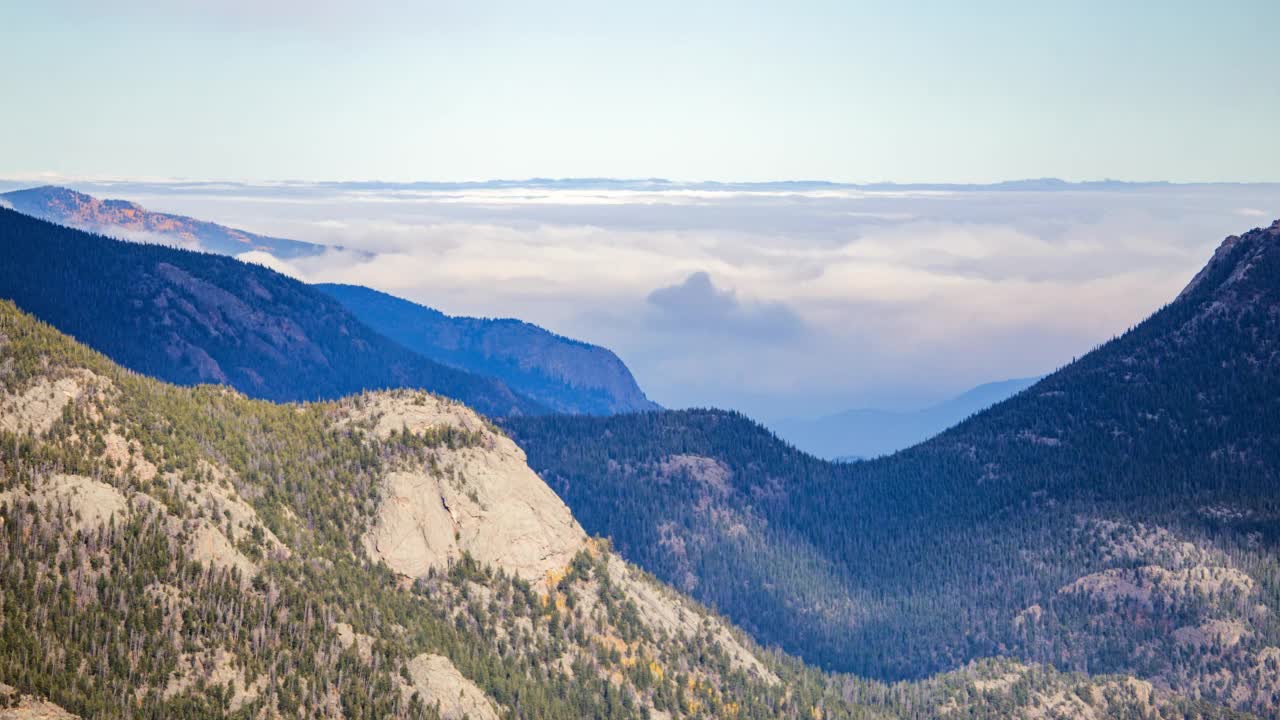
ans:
(1121, 515)
(130, 221)
(191, 553)
(565, 375)
(188, 317)
(870, 432)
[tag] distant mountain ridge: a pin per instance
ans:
(188, 317)
(565, 375)
(868, 433)
(560, 373)
(131, 221)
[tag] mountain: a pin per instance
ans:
(868, 433)
(130, 221)
(563, 374)
(189, 317)
(1120, 515)
(191, 553)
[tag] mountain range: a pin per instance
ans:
(1103, 543)
(131, 221)
(190, 317)
(867, 433)
(1121, 515)
(558, 373)
(191, 553)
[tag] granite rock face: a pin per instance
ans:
(481, 499)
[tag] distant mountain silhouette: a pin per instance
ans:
(130, 221)
(868, 433)
(563, 374)
(189, 317)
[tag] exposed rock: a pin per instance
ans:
(40, 406)
(14, 706)
(89, 503)
(128, 454)
(436, 679)
(481, 500)
(216, 495)
(208, 545)
(348, 637)
(1153, 544)
(214, 668)
(388, 412)
(1213, 633)
(1143, 583)
(1085, 699)
(708, 471)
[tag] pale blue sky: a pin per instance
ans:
(853, 91)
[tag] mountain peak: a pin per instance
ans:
(52, 194)
(127, 219)
(1234, 260)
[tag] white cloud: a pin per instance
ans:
(777, 303)
(266, 259)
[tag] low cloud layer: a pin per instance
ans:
(776, 301)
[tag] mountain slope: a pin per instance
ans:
(189, 317)
(1121, 515)
(130, 221)
(189, 552)
(868, 433)
(563, 374)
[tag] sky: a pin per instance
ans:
(732, 90)
(776, 302)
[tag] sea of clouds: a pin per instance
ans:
(778, 300)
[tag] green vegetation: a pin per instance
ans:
(968, 545)
(107, 619)
(115, 615)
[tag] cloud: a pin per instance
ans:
(149, 237)
(697, 305)
(267, 260)
(777, 303)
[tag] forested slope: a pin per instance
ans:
(191, 553)
(565, 375)
(188, 317)
(1121, 515)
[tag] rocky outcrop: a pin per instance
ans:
(88, 503)
(481, 499)
(439, 684)
(16, 706)
(39, 406)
